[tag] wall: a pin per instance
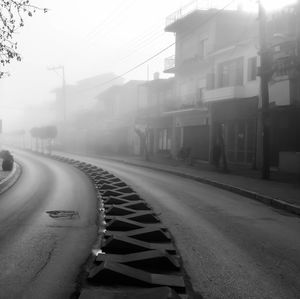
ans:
(247, 51)
(191, 71)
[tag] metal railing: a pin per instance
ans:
(195, 5)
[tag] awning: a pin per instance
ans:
(156, 122)
(189, 117)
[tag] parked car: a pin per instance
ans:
(8, 160)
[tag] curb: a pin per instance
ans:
(268, 200)
(11, 179)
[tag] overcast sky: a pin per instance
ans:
(89, 38)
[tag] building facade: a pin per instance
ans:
(283, 29)
(156, 99)
(119, 104)
(215, 69)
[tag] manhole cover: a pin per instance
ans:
(63, 214)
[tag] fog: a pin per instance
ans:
(73, 52)
(88, 38)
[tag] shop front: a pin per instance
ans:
(190, 133)
(235, 122)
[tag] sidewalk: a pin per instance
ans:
(282, 191)
(9, 178)
(3, 175)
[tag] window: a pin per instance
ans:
(230, 73)
(252, 68)
(164, 139)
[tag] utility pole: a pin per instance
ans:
(297, 52)
(265, 69)
(147, 136)
(62, 68)
(64, 98)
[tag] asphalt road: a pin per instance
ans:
(232, 246)
(40, 257)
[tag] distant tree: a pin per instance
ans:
(42, 135)
(12, 14)
(34, 132)
(51, 133)
(42, 132)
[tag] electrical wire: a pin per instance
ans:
(143, 36)
(117, 9)
(108, 29)
(161, 51)
(142, 46)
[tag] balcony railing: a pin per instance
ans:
(169, 63)
(195, 5)
(231, 92)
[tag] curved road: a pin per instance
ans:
(40, 257)
(232, 246)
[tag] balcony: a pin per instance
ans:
(231, 92)
(169, 64)
(187, 9)
(200, 5)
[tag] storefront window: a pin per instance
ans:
(164, 142)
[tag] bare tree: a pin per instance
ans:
(34, 134)
(51, 133)
(43, 135)
(12, 15)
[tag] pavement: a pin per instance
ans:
(41, 255)
(281, 191)
(4, 175)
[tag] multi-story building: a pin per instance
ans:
(74, 110)
(156, 100)
(215, 76)
(283, 28)
(119, 106)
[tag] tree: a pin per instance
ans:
(46, 133)
(51, 133)
(34, 134)
(12, 14)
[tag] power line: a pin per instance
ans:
(147, 43)
(141, 41)
(105, 30)
(146, 33)
(117, 9)
(161, 51)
